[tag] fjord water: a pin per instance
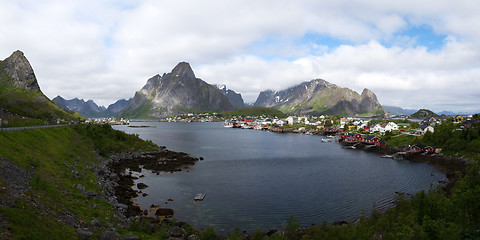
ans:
(256, 179)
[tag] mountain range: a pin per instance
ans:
(179, 92)
(89, 108)
(321, 97)
(398, 110)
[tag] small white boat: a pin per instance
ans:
(387, 156)
(229, 124)
(326, 140)
(200, 197)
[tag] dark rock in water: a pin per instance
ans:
(164, 212)
(271, 232)
(134, 210)
(340, 223)
(141, 186)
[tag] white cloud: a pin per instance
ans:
(106, 50)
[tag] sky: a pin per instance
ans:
(411, 53)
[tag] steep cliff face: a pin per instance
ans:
(321, 97)
(18, 71)
(177, 92)
(20, 94)
(235, 98)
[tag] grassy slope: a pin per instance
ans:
(54, 155)
(49, 152)
(29, 104)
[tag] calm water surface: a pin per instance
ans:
(256, 179)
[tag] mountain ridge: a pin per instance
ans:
(177, 92)
(235, 98)
(318, 96)
(89, 108)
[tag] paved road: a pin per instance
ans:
(35, 127)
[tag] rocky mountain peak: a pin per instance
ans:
(178, 92)
(320, 97)
(368, 93)
(20, 71)
(183, 69)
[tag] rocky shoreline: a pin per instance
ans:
(450, 166)
(116, 177)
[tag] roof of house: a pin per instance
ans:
(369, 137)
(423, 126)
(421, 146)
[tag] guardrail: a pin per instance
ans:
(34, 127)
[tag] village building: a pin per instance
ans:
(291, 120)
(388, 127)
(369, 139)
(422, 129)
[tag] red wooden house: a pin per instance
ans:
(248, 120)
(351, 137)
(417, 148)
(430, 149)
(381, 144)
(369, 139)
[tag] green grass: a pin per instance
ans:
(25, 222)
(143, 111)
(400, 140)
(54, 156)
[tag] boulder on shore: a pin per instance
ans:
(164, 212)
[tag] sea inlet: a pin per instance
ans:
(256, 179)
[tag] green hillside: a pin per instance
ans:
(21, 106)
(22, 103)
(423, 113)
(48, 164)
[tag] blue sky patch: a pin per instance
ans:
(422, 35)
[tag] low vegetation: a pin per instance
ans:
(30, 105)
(55, 161)
(58, 159)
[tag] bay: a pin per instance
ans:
(256, 179)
